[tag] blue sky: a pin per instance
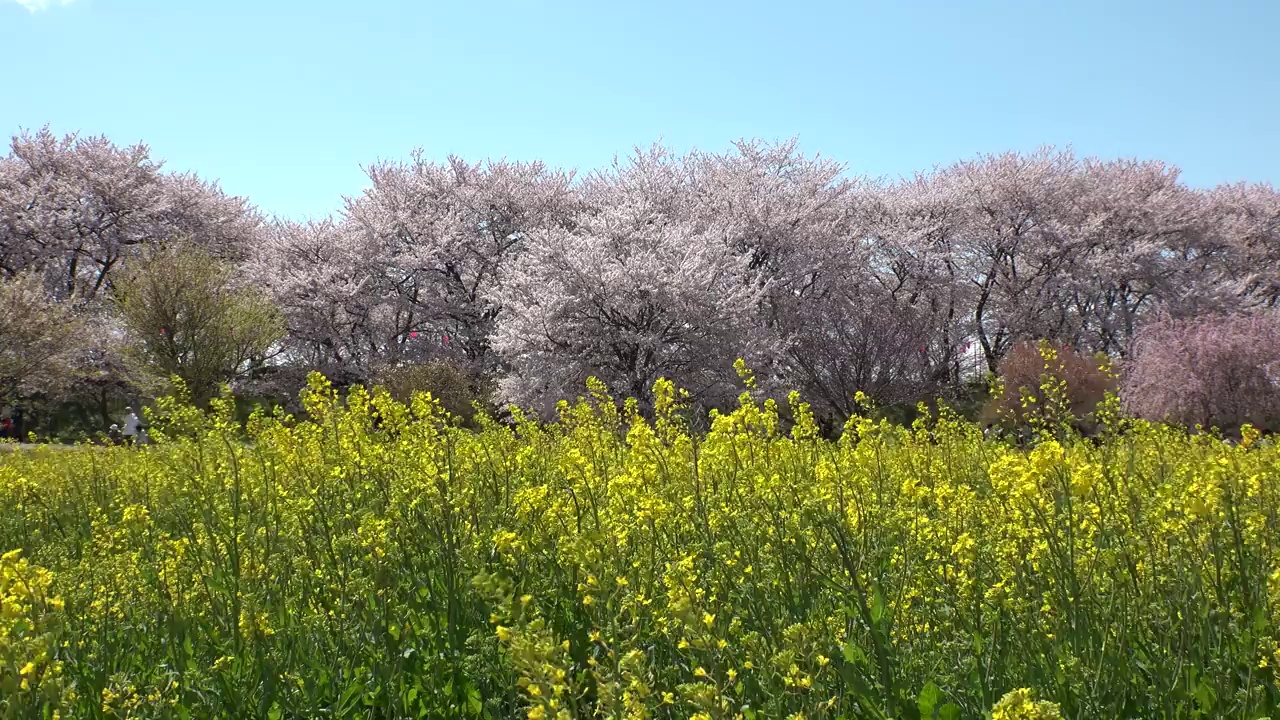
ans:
(284, 101)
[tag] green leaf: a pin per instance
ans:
(853, 654)
(474, 704)
(1205, 696)
(877, 608)
(274, 713)
(950, 711)
(349, 697)
(928, 700)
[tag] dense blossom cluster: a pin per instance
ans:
(667, 265)
(1208, 371)
(376, 561)
(74, 210)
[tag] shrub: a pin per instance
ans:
(456, 388)
(189, 316)
(1040, 386)
(1214, 371)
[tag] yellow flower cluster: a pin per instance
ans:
(30, 619)
(1019, 705)
(376, 559)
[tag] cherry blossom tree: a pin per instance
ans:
(671, 265)
(443, 235)
(1013, 247)
(806, 232)
(102, 382)
(787, 213)
(857, 338)
(76, 208)
(1015, 243)
(1246, 220)
(912, 241)
(1126, 238)
(325, 279)
(39, 340)
(1214, 370)
(637, 290)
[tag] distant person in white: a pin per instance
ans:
(131, 425)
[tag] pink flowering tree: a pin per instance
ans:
(1014, 243)
(76, 209)
(1245, 218)
(1012, 247)
(826, 283)
(787, 213)
(856, 338)
(440, 238)
(323, 277)
(1212, 370)
(913, 249)
(635, 291)
(807, 232)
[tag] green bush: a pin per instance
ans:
(456, 388)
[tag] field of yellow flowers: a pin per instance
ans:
(373, 561)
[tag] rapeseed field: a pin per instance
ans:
(374, 561)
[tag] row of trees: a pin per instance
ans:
(670, 265)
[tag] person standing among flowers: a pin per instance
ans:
(131, 426)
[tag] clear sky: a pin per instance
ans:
(284, 100)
